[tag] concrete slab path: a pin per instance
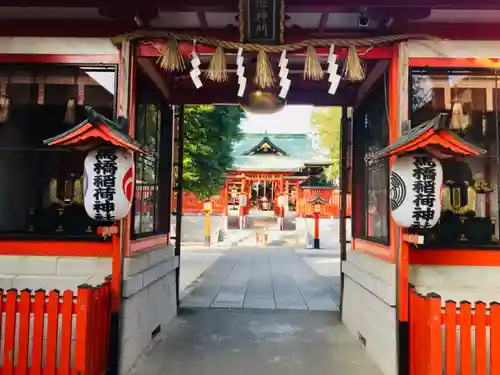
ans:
(264, 278)
(249, 342)
(256, 311)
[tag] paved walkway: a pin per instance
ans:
(245, 315)
(264, 278)
(250, 342)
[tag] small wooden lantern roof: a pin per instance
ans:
(318, 199)
(433, 136)
(93, 131)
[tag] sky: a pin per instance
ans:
(291, 119)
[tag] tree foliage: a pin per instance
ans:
(327, 122)
(209, 136)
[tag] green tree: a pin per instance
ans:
(210, 134)
(327, 122)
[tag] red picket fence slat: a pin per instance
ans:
(54, 334)
(473, 349)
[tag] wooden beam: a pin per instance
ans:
(322, 22)
(147, 50)
(105, 29)
(152, 71)
(318, 6)
(378, 71)
(202, 18)
(228, 96)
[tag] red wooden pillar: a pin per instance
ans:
(242, 208)
(243, 184)
(298, 206)
(316, 230)
(126, 106)
(225, 198)
(282, 192)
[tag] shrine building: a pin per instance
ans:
(269, 165)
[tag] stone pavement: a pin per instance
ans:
(264, 278)
(246, 314)
(194, 261)
(251, 342)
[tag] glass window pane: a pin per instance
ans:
(148, 127)
(371, 134)
(470, 98)
(45, 184)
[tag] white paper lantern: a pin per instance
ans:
(415, 192)
(109, 177)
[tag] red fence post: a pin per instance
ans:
(494, 338)
(435, 345)
(450, 324)
(10, 332)
(413, 327)
(52, 333)
(24, 309)
(421, 354)
(66, 331)
(465, 338)
(38, 332)
(83, 323)
(480, 336)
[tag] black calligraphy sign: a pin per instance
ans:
(262, 21)
(424, 190)
(105, 168)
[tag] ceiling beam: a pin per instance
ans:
(322, 22)
(322, 6)
(147, 50)
(315, 6)
(378, 71)
(105, 29)
(228, 96)
(202, 18)
(153, 72)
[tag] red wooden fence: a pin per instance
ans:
(330, 209)
(192, 204)
(56, 333)
(475, 350)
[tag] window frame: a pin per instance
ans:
(39, 67)
(360, 167)
(148, 94)
(156, 156)
(454, 66)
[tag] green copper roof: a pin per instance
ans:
(299, 149)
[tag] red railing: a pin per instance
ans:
(51, 333)
(192, 204)
(474, 350)
(330, 209)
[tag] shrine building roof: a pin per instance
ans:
(433, 136)
(273, 152)
(94, 130)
